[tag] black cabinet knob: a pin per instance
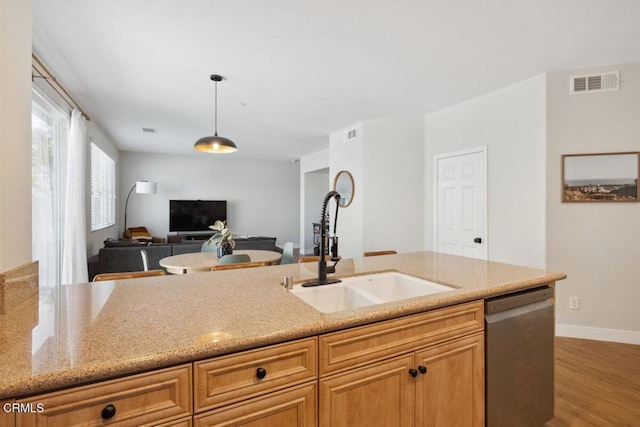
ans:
(477, 240)
(108, 412)
(422, 369)
(413, 372)
(261, 373)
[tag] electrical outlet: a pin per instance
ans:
(574, 303)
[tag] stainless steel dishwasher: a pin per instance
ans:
(519, 334)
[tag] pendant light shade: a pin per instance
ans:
(215, 143)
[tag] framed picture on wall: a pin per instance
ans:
(605, 177)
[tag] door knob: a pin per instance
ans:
(477, 240)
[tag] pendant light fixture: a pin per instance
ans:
(215, 143)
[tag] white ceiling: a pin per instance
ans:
(297, 70)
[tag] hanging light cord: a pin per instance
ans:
(216, 107)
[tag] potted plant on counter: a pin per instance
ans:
(222, 240)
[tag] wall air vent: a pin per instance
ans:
(149, 130)
(350, 134)
(591, 83)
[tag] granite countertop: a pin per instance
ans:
(92, 331)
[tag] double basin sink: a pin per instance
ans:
(366, 290)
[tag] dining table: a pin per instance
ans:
(204, 261)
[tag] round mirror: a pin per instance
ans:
(343, 184)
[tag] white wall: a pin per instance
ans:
(314, 184)
(263, 196)
(15, 133)
(511, 122)
(349, 156)
(394, 184)
(596, 244)
(386, 160)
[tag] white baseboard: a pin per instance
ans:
(598, 334)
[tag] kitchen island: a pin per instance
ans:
(89, 333)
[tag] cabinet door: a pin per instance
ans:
(379, 395)
(451, 391)
(295, 406)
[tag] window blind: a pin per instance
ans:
(103, 186)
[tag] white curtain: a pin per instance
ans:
(74, 254)
(45, 232)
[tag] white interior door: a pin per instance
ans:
(461, 203)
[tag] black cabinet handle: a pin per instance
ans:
(477, 240)
(108, 412)
(413, 372)
(261, 373)
(422, 369)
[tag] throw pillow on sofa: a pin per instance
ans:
(139, 233)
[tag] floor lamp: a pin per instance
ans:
(141, 187)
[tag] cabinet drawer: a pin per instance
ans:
(295, 406)
(143, 399)
(228, 379)
(358, 346)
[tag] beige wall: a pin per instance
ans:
(15, 133)
(596, 244)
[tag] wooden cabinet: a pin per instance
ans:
(451, 391)
(377, 395)
(294, 406)
(426, 369)
(185, 422)
(7, 417)
(271, 386)
(153, 398)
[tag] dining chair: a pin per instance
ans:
(234, 259)
(287, 253)
(145, 260)
(312, 258)
(127, 275)
(221, 267)
(376, 253)
(208, 247)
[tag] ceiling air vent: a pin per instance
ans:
(350, 134)
(604, 82)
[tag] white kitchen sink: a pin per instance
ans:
(334, 298)
(362, 291)
(393, 286)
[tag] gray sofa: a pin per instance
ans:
(117, 257)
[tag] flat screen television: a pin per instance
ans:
(195, 215)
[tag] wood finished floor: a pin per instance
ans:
(597, 383)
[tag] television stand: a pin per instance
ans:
(192, 235)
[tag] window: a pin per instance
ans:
(49, 126)
(103, 189)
